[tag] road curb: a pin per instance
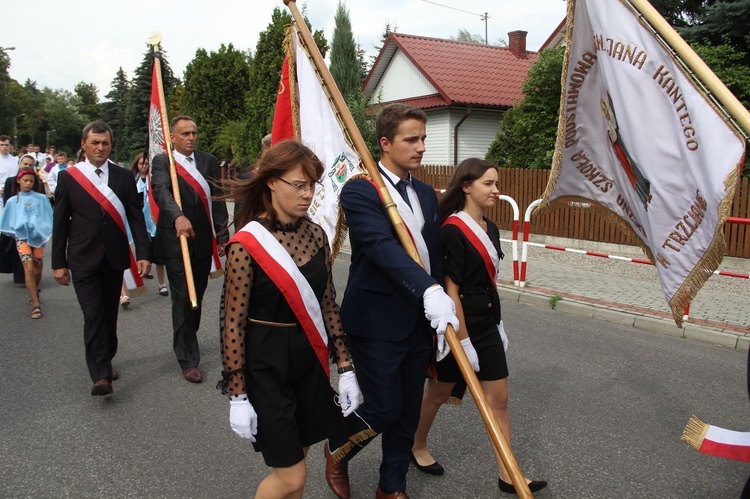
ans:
(732, 337)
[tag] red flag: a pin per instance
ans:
(156, 140)
(282, 119)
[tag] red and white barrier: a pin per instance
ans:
(514, 241)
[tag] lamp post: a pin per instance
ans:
(48, 132)
(15, 130)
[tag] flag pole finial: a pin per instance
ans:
(154, 39)
(286, 2)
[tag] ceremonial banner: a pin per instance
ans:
(639, 139)
(321, 131)
(157, 143)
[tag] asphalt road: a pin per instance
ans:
(597, 410)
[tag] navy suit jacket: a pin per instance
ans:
(383, 297)
(83, 233)
(166, 244)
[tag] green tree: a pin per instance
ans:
(88, 94)
(345, 66)
(113, 112)
(527, 136)
(139, 100)
(34, 126)
(62, 111)
(723, 23)
(215, 86)
(264, 82)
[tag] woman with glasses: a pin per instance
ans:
(140, 167)
(280, 322)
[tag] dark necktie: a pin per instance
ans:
(401, 188)
(189, 159)
(98, 172)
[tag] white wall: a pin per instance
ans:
(439, 143)
(402, 80)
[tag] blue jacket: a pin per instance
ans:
(383, 297)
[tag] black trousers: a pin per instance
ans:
(391, 376)
(185, 320)
(98, 293)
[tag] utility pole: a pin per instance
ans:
(482, 17)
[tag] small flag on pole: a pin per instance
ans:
(157, 143)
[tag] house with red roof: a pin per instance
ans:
(463, 87)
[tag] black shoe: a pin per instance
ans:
(430, 469)
(508, 488)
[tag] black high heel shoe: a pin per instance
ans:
(430, 469)
(508, 488)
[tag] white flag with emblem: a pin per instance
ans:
(321, 131)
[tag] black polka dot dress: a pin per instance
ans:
(267, 354)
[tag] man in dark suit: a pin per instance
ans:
(93, 199)
(388, 297)
(193, 221)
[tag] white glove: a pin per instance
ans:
(440, 310)
(503, 336)
(242, 417)
(471, 354)
(348, 393)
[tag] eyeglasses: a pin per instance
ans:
(302, 187)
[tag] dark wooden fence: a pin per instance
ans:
(576, 222)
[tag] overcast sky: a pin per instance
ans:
(59, 43)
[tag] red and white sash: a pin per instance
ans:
(478, 239)
(102, 194)
(279, 266)
(412, 225)
(195, 180)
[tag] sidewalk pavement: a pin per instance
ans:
(630, 294)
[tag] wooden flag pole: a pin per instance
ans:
(733, 106)
(493, 429)
(154, 42)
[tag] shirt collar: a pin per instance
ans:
(392, 176)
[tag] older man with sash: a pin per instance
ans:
(95, 203)
(202, 219)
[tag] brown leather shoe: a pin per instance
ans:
(102, 387)
(192, 374)
(337, 475)
(379, 494)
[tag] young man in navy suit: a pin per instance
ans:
(392, 307)
(93, 199)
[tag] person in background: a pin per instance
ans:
(61, 165)
(27, 218)
(10, 262)
(203, 219)
(8, 164)
(471, 248)
(140, 167)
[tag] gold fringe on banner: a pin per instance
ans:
(453, 401)
(354, 440)
(694, 433)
